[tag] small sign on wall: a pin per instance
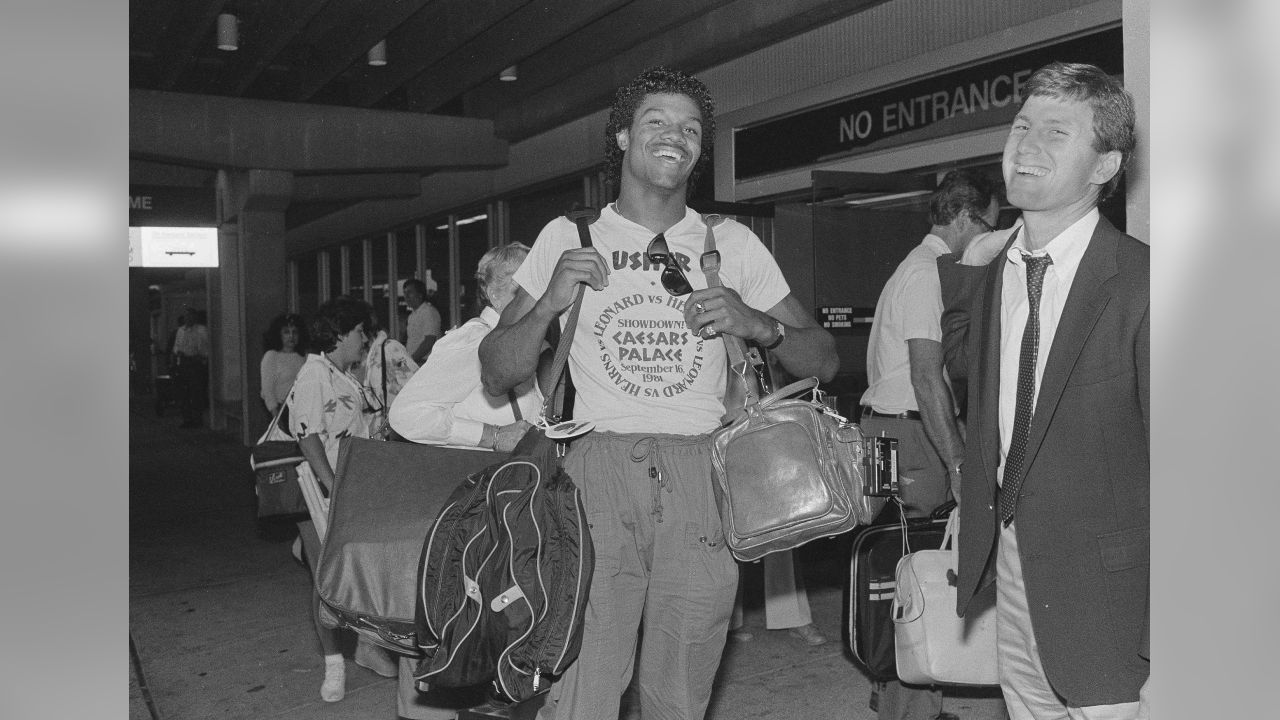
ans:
(173, 247)
(845, 320)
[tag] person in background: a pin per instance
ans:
(445, 404)
(326, 404)
(286, 343)
(424, 326)
(1052, 323)
(191, 367)
(645, 470)
(386, 370)
(786, 602)
(909, 397)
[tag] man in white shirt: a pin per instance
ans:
(424, 321)
(191, 359)
(909, 397)
(1051, 323)
(649, 370)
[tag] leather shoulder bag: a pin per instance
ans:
(787, 470)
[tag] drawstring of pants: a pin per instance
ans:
(650, 452)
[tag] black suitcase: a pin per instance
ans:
(874, 560)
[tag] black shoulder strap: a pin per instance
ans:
(559, 402)
(282, 418)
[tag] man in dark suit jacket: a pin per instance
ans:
(1055, 484)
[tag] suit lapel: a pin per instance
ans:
(1085, 302)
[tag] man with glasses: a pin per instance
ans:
(909, 397)
(650, 371)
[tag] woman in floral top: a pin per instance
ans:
(326, 404)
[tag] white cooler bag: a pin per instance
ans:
(933, 644)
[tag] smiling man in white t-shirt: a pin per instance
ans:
(649, 370)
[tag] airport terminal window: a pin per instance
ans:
(335, 272)
(528, 213)
(380, 280)
(406, 267)
(355, 275)
(437, 267)
(473, 243)
(308, 283)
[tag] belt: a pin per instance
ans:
(908, 415)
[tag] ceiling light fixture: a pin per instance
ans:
(228, 32)
(378, 54)
(508, 75)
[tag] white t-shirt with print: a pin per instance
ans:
(636, 366)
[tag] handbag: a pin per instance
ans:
(933, 645)
(786, 470)
(873, 561)
(274, 459)
(789, 470)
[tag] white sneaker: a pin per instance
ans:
(334, 687)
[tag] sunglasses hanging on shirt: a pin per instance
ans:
(673, 278)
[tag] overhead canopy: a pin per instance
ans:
(212, 131)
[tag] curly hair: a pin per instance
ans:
(271, 338)
(627, 100)
(336, 318)
(1113, 113)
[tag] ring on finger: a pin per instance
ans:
(709, 329)
(698, 306)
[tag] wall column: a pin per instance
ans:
(254, 288)
(1137, 80)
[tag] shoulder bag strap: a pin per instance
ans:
(743, 383)
(515, 404)
(559, 400)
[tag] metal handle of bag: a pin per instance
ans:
(582, 217)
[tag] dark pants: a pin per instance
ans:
(192, 378)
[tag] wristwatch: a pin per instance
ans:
(779, 328)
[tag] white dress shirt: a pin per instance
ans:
(909, 308)
(1065, 250)
(444, 402)
(423, 321)
(192, 341)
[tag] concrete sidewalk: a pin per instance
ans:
(219, 614)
